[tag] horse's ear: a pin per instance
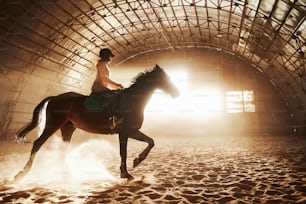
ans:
(157, 67)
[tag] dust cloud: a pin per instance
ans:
(72, 167)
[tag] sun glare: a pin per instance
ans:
(202, 102)
(207, 101)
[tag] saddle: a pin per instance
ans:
(108, 101)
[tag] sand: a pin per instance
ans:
(178, 170)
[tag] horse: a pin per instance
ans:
(70, 110)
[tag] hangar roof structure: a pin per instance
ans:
(55, 41)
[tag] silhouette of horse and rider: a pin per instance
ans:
(69, 111)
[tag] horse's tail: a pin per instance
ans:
(19, 138)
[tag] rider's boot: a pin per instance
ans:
(114, 121)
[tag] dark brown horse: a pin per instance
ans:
(69, 111)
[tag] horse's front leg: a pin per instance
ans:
(137, 135)
(123, 138)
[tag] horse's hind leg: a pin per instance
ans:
(36, 146)
(67, 131)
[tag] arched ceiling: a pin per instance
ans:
(58, 40)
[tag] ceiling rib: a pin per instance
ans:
(177, 22)
(208, 20)
(159, 20)
(252, 25)
(140, 20)
(276, 32)
(131, 23)
(187, 21)
(77, 19)
(48, 48)
(38, 65)
(242, 20)
(171, 27)
(198, 21)
(122, 46)
(229, 22)
(15, 21)
(70, 26)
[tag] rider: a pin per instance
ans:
(103, 83)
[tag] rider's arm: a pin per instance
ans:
(104, 78)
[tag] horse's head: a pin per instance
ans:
(164, 82)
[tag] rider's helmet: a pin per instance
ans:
(106, 53)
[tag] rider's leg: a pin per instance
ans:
(115, 112)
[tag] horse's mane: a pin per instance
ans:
(142, 76)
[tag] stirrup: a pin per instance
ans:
(113, 122)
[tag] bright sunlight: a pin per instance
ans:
(203, 102)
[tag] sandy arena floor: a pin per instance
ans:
(178, 170)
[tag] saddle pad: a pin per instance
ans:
(96, 102)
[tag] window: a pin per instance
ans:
(240, 101)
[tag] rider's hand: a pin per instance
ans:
(120, 86)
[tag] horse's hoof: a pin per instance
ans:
(136, 162)
(127, 176)
(130, 177)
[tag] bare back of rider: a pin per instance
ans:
(105, 86)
